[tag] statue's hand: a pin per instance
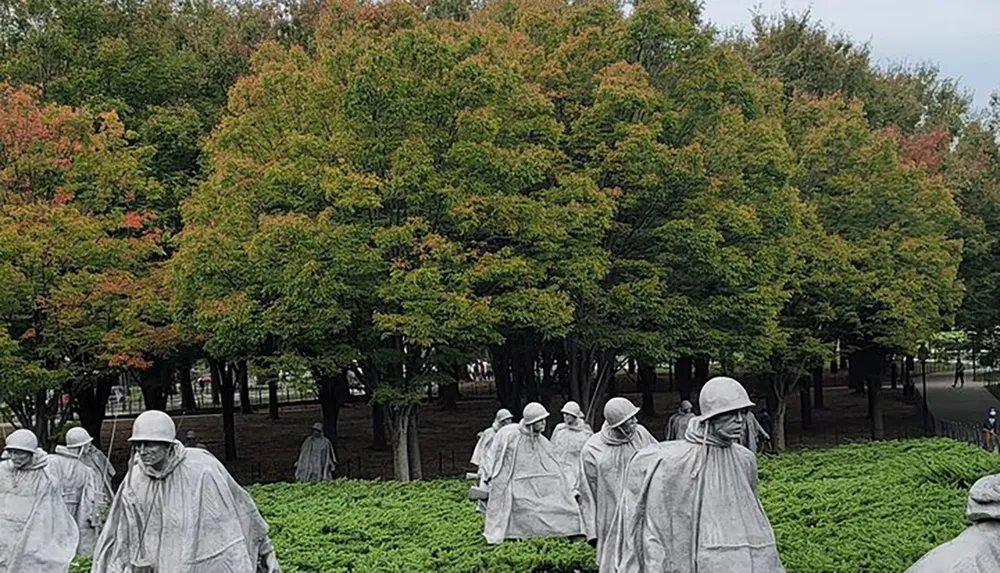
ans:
(271, 563)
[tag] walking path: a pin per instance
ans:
(967, 405)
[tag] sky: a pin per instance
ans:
(962, 37)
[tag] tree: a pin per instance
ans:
(78, 236)
(423, 143)
(808, 59)
(899, 223)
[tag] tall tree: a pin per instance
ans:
(79, 235)
(899, 223)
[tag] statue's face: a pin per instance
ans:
(504, 422)
(538, 427)
(153, 454)
(729, 426)
(628, 426)
(570, 419)
(20, 459)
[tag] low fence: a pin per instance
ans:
(130, 402)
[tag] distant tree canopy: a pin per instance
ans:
(399, 188)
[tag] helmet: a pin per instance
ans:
(503, 414)
(573, 409)
(77, 437)
(22, 440)
(686, 406)
(721, 395)
(618, 411)
(318, 426)
(153, 426)
(534, 412)
(984, 500)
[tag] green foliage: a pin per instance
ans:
(78, 234)
(866, 507)
(899, 223)
(869, 507)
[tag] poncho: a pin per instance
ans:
(37, 533)
(677, 425)
(480, 458)
(751, 431)
(189, 517)
(81, 491)
(603, 462)
(483, 446)
(691, 506)
(977, 549)
(97, 461)
(316, 460)
(529, 494)
(567, 441)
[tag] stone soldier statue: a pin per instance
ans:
(81, 487)
(529, 495)
(691, 505)
(78, 440)
(37, 532)
(678, 423)
(603, 462)
(178, 510)
(977, 549)
(317, 460)
(568, 439)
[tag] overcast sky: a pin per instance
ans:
(961, 36)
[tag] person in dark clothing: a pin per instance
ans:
(990, 430)
(909, 388)
(768, 424)
(959, 374)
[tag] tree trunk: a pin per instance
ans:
(380, 438)
(449, 397)
(449, 392)
(817, 381)
(771, 397)
(700, 371)
(273, 404)
(413, 445)
(216, 384)
(875, 392)
(908, 372)
(153, 384)
(606, 363)
(806, 406)
(227, 392)
(42, 417)
(779, 423)
(683, 377)
(188, 402)
(400, 442)
(647, 382)
(573, 374)
(333, 390)
(243, 379)
(895, 374)
(91, 403)
(506, 387)
(855, 373)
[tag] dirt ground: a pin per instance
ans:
(268, 449)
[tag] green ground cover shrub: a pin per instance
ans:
(865, 507)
